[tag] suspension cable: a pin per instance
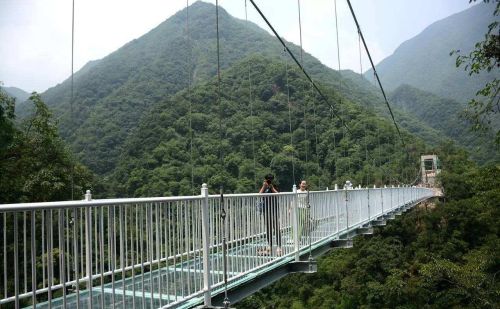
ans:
(221, 154)
(325, 99)
(289, 117)
(366, 158)
(336, 173)
(300, 34)
(305, 105)
(72, 176)
(375, 72)
(251, 107)
(380, 157)
(338, 44)
(316, 135)
(346, 152)
(360, 56)
(219, 102)
(306, 141)
(191, 133)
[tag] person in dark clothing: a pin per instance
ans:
(271, 215)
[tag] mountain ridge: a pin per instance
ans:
(424, 61)
(19, 94)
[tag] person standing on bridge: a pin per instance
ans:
(302, 209)
(271, 216)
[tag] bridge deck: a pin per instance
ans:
(165, 252)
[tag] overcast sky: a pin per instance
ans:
(35, 35)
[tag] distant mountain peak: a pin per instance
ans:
(424, 61)
(19, 94)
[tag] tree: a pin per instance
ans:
(6, 121)
(34, 162)
(485, 57)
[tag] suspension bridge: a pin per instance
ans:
(187, 251)
(179, 252)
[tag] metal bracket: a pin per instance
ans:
(342, 243)
(306, 267)
(379, 222)
(367, 230)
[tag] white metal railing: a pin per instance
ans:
(160, 252)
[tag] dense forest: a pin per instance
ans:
(445, 116)
(277, 124)
(439, 255)
(35, 164)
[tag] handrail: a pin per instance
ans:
(152, 244)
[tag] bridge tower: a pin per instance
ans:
(430, 167)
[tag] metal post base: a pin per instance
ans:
(342, 243)
(306, 267)
(379, 223)
(367, 230)
(390, 216)
(211, 307)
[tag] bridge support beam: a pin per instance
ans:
(379, 222)
(237, 293)
(342, 243)
(366, 230)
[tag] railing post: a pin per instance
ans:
(205, 224)
(399, 197)
(88, 247)
(382, 197)
(392, 198)
(295, 223)
(346, 209)
(88, 196)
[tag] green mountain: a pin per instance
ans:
(17, 93)
(424, 61)
(443, 115)
(112, 94)
(114, 97)
(254, 137)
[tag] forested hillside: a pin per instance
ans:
(17, 93)
(35, 165)
(111, 95)
(157, 159)
(444, 115)
(424, 61)
(436, 256)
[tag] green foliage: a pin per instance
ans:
(7, 105)
(443, 255)
(255, 129)
(34, 163)
(443, 115)
(484, 110)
